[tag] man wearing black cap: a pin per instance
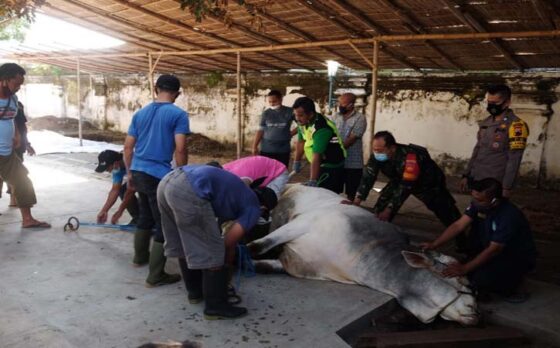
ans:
(157, 134)
(111, 161)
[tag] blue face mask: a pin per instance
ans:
(381, 157)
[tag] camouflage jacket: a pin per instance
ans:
(411, 167)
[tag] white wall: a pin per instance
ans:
(445, 121)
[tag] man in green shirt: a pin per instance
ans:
(318, 139)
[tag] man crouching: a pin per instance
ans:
(190, 199)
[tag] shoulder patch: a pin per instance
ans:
(518, 133)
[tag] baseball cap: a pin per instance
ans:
(106, 158)
(168, 82)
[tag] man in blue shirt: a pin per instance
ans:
(156, 135)
(502, 249)
(112, 162)
(12, 169)
(191, 199)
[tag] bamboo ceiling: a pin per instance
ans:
(148, 25)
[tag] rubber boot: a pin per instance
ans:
(215, 294)
(157, 275)
(193, 282)
(141, 247)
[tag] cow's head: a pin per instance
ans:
(464, 308)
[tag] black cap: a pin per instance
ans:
(106, 158)
(169, 83)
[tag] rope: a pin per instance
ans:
(245, 265)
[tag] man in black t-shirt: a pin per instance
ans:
(502, 250)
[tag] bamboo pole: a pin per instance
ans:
(374, 82)
(239, 118)
(151, 76)
(380, 38)
(370, 64)
(78, 94)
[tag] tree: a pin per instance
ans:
(10, 9)
(13, 29)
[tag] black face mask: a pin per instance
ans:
(495, 109)
(344, 109)
(485, 208)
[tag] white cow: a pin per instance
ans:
(323, 239)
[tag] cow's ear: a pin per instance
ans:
(417, 260)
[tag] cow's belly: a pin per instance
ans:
(327, 258)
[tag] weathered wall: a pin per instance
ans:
(439, 111)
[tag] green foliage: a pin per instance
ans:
(44, 70)
(200, 8)
(13, 30)
(214, 78)
(10, 9)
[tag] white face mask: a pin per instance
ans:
(276, 107)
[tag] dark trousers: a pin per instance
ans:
(281, 157)
(352, 178)
(132, 206)
(503, 274)
(149, 215)
(332, 179)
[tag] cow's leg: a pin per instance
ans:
(282, 235)
(269, 266)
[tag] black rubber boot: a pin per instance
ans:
(141, 247)
(215, 294)
(157, 275)
(193, 282)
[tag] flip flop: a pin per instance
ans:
(38, 224)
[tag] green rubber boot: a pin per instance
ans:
(157, 275)
(141, 247)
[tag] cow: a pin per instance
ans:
(324, 239)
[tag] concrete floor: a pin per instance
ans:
(79, 290)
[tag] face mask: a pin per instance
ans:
(275, 107)
(484, 207)
(344, 109)
(495, 109)
(381, 157)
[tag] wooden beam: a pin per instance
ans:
(360, 53)
(79, 101)
(263, 38)
(545, 14)
(147, 29)
(239, 113)
(412, 25)
(295, 31)
(374, 87)
(467, 19)
(142, 42)
(151, 76)
(381, 38)
(332, 16)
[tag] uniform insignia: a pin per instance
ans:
(518, 133)
(503, 126)
(411, 168)
(496, 145)
(497, 137)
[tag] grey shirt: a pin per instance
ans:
(276, 126)
(355, 124)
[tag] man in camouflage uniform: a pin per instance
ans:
(410, 171)
(501, 140)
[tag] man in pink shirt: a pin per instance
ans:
(256, 167)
